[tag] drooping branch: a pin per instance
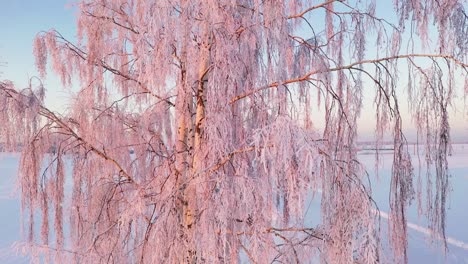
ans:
(65, 129)
(101, 63)
(308, 76)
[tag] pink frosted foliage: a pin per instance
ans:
(192, 137)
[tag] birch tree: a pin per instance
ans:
(191, 135)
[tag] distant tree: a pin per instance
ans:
(191, 139)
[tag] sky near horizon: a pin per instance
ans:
(21, 20)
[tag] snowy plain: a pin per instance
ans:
(421, 249)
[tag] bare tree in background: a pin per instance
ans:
(191, 138)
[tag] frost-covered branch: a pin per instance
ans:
(351, 66)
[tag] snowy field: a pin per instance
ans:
(420, 249)
(10, 210)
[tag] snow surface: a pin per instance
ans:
(421, 249)
(10, 210)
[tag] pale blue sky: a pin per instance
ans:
(21, 20)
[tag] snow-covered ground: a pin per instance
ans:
(420, 249)
(9, 210)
